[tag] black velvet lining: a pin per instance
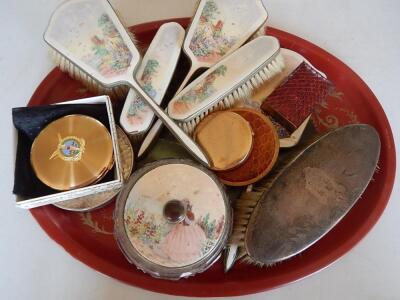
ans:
(29, 121)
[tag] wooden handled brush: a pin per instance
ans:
(94, 45)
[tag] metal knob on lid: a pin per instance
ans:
(174, 211)
(172, 219)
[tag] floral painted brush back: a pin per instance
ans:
(88, 33)
(221, 26)
(222, 79)
(154, 76)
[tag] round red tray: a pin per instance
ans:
(88, 236)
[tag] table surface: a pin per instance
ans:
(363, 34)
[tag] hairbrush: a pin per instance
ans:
(305, 198)
(218, 28)
(94, 46)
(154, 75)
(227, 82)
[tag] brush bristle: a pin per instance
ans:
(248, 260)
(132, 36)
(122, 21)
(244, 91)
(243, 209)
(246, 204)
(94, 86)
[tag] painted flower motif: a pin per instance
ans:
(146, 79)
(110, 55)
(209, 42)
(182, 242)
(200, 92)
(138, 109)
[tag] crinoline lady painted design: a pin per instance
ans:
(200, 92)
(209, 42)
(186, 239)
(174, 244)
(110, 55)
(138, 110)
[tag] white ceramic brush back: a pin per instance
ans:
(89, 34)
(224, 78)
(154, 75)
(220, 27)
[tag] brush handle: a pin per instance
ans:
(153, 133)
(185, 140)
(185, 81)
(155, 130)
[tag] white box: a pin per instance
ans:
(92, 190)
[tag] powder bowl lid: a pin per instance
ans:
(172, 219)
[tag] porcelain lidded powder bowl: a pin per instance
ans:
(172, 219)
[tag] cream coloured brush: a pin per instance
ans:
(220, 87)
(154, 76)
(229, 81)
(95, 46)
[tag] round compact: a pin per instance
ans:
(226, 138)
(263, 155)
(92, 202)
(72, 152)
(172, 219)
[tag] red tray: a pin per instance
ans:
(88, 236)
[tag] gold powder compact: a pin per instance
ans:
(227, 139)
(92, 202)
(72, 152)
